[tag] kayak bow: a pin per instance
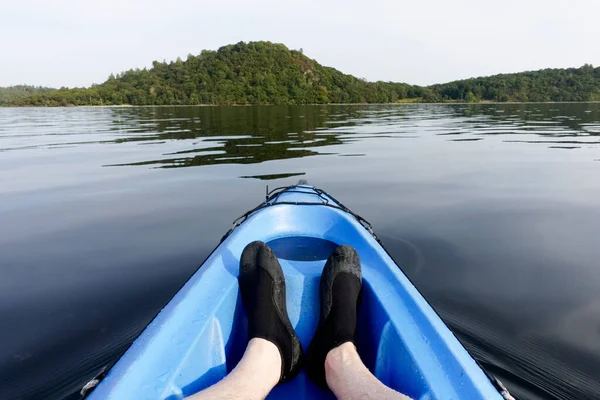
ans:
(201, 334)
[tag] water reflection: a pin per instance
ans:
(268, 177)
(199, 136)
(246, 135)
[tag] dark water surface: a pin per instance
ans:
(492, 210)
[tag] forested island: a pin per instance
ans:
(268, 73)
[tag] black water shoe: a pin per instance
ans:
(263, 292)
(340, 291)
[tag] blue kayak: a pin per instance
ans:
(201, 334)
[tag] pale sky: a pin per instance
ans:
(80, 42)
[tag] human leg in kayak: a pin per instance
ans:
(274, 353)
(332, 359)
(253, 377)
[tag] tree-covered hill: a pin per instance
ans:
(13, 93)
(571, 84)
(244, 73)
(268, 73)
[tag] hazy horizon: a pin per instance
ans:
(74, 44)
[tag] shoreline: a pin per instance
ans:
(402, 103)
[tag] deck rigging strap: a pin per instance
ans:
(327, 201)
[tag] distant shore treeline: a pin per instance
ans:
(267, 73)
(14, 93)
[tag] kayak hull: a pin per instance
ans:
(201, 334)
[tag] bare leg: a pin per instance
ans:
(274, 352)
(252, 379)
(349, 379)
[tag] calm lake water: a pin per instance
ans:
(492, 210)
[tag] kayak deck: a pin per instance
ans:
(201, 334)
